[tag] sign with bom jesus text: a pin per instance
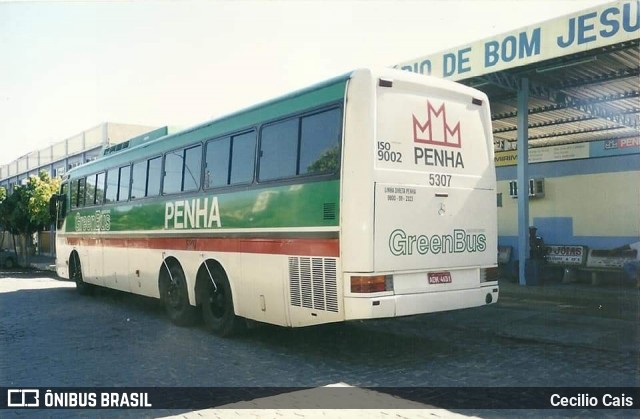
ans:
(597, 27)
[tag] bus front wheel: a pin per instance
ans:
(75, 270)
(217, 306)
(174, 295)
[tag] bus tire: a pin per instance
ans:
(75, 274)
(174, 295)
(217, 306)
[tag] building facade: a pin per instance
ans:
(57, 159)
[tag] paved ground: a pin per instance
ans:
(561, 335)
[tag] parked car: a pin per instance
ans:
(7, 259)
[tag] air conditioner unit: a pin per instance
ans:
(536, 188)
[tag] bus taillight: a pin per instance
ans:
(368, 284)
(488, 274)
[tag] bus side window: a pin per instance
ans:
(100, 178)
(243, 155)
(63, 190)
(81, 188)
(303, 145)
(217, 162)
(63, 200)
(111, 188)
(153, 176)
(90, 191)
(124, 183)
(182, 170)
(230, 160)
(279, 150)
(192, 168)
(320, 142)
(74, 194)
(62, 204)
(172, 171)
(139, 181)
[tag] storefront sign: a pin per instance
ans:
(565, 255)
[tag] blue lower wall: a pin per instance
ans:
(559, 230)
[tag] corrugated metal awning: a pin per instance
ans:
(578, 98)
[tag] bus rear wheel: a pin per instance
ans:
(217, 306)
(75, 275)
(175, 297)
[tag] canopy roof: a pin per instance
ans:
(583, 71)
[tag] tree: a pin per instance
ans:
(43, 187)
(26, 210)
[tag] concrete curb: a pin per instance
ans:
(43, 267)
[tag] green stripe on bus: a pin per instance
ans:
(314, 204)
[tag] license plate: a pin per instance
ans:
(439, 277)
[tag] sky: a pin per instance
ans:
(66, 67)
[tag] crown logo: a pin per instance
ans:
(436, 130)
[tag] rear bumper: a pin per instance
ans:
(409, 304)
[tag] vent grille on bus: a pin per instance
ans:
(312, 283)
(329, 211)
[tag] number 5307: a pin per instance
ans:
(439, 180)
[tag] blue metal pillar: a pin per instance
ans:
(523, 179)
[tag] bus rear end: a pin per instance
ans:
(418, 204)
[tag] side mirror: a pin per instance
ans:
(53, 206)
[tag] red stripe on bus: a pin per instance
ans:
(289, 246)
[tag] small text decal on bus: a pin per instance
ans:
(192, 213)
(436, 131)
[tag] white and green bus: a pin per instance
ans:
(370, 195)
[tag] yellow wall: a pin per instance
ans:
(602, 204)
